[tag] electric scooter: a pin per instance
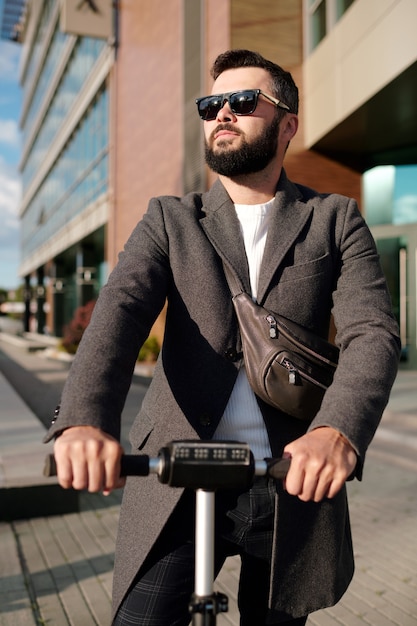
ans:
(204, 466)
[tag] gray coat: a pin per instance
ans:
(319, 259)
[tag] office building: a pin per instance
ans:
(109, 120)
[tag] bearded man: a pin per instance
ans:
(298, 253)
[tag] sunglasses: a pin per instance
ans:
(242, 102)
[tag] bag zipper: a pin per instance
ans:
(273, 333)
(292, 371)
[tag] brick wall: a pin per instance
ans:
(146, 115)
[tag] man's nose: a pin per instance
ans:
(225, 112)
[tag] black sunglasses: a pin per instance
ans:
(242, 102)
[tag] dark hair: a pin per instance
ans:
(282, 83)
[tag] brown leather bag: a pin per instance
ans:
(287, 365)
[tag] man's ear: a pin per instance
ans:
(289, 126)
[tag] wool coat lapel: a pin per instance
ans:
(222, 228)
(289, 216)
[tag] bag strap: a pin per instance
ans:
(233, 281)
(317, 344)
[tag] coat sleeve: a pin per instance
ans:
(367, 334)
(128, 305)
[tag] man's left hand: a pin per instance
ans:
(321, 462)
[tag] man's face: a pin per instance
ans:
(242, 144)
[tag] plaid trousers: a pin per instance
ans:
(161, 592)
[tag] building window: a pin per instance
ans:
(78, 178)
(390, 195)
(341, 7)
(317, 22)
(321, 17)
(84, 56)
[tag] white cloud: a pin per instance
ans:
(9, 60)
(10, 190)
(9, 133)
(10, 185)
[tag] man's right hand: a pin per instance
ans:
(88, 458)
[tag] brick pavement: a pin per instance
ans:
(58, 569)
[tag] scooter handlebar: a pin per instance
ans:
(130, 465)
(198, 464)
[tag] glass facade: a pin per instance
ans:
(65, 130)
(390, 195)
(37, 46)
(79, 176)
(79, 172)
(405, 195)
(83, 57)
(43, 82)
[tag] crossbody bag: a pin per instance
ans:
(287, 365)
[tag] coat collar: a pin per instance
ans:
(221, 225)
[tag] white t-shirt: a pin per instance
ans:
(242, 419)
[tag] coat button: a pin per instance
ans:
(56, 413)
(232, 355)
(204, 419)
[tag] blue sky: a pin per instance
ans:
(10, 149)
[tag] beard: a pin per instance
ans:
(248, 158)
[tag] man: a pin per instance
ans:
(299, 253)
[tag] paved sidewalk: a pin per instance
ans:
(57, 570)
